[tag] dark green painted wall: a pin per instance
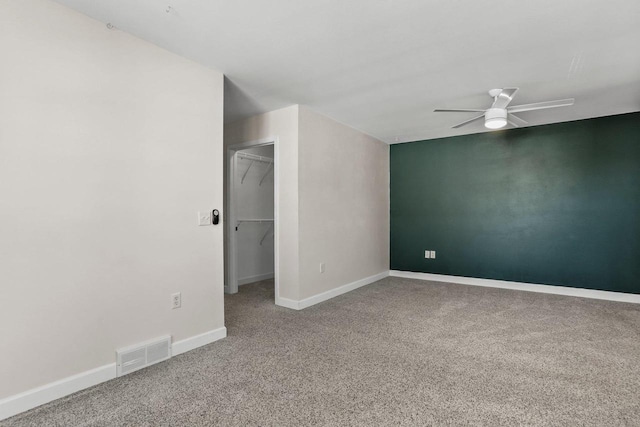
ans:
(556, 204)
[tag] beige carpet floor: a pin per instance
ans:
(397, 352)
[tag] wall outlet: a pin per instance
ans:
(427, 254)
(433, 254)
(322, 267)
(204, 218)
(176, 300)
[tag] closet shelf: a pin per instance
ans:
(252, 159)
(255, 157)
(259, 221)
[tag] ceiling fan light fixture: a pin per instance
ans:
(495, 123)
(495, 118)
(500, 112)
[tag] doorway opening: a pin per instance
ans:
(252, 189)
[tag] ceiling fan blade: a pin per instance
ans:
(458, 110)
(505, 97)
(516, 121)
(541, 105)
(481, 116)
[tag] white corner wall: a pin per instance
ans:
(108, 148)
(344, 206)
(334, 203)
(283, 125)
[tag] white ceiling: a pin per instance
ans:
(382, 66)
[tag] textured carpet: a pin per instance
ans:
(397, 352)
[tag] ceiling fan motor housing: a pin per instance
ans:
(495, 118)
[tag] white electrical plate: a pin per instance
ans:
(176, 300)
(204, 218)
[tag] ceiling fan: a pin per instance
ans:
(500, 113)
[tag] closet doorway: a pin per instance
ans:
(252, 214)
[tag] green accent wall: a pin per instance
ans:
(555, 204)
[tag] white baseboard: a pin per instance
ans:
(256, 278)
(288, 303)
(191, 343)
(519, 286)
(308, 302)
(30, 399)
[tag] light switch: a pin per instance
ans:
(204, 218)
(427, 254)
(433, 254)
